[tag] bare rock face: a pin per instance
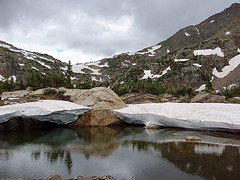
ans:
(208, 98)
(103, 101)
(14, 94)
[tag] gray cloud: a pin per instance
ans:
(99, 28)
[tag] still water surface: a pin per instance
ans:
(130, 153)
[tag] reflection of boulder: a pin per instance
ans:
(100, 141)
(103, 101)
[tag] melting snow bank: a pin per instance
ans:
(206, 116)
(55, 111)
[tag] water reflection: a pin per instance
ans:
(216, 156)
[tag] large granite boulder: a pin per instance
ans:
(54, 111)
(103, 101)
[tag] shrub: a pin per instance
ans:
(50, 91)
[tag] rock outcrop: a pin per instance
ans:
(103, 101)
(208, 98)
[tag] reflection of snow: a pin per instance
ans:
(209, 149)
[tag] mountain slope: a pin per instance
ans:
(196, 56)
(175, 61)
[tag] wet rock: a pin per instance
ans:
(96, 178)
(153, 126)
(193, 138)
(53, 177)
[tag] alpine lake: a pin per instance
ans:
(122, 152)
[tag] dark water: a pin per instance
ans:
(130, 153)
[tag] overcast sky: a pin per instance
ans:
(88, 30)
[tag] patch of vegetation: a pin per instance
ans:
(233, 92)
(50, 91)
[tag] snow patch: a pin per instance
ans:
(35, 68)
(212, 21)
(148, 74)
(197, 30)
(238, 50)
(43, 64)
(64, 68)
(207, 52)
(13, 77)
(134, 64)
(168, 51)
(2, 78)
(196, 64)
(233, 63)
(21, 64)
(187, 34)
(181, 60)
(201, 88)
(151, 51)
(227, 33)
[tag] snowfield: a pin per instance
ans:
(148, 74)
(206, 116)
(58, 112)
(233, 63)
(207, 52)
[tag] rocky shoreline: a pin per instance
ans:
(57, 177)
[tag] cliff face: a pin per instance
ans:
(192, 57)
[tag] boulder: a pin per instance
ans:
(97, 117)
(208, 98)
(103, 101)
(201, 97)
(99, 98)
(55, 111)
(14, 94)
